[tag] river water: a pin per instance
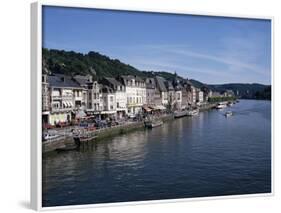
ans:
(205, 155)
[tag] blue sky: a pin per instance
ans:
(210, 49)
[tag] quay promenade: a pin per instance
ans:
(106, 132)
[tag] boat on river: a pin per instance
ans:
(52, 136)
(153, 123)
(179, 114)
(228, 113)
(192, 112)
(221, 105)
(230, 103)
(83, 136)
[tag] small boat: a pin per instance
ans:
(228, 113)
(83, 135)
(192, 112)
(221, 106)
(51, 136)
(153, 123)
(230, 104)
(179, 114)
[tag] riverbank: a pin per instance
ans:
(101, 134)
(110, 131)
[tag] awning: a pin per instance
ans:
(120, 109)
(146, 108)
(70, 104)
(183, 107)
(64, 104)
(108, 112)
(160, 107)
(80, 114)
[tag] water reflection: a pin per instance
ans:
(205, 155)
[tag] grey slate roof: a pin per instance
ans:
(169, 85)
(161, 83)
(82, 80)
(107, 89)
(60, 80)
(126, 78)
(113, 81)
(150, 83)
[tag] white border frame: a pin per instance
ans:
(36, 108)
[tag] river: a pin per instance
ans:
(205, 155)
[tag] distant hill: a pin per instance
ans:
(93, 63)
(250, 91)
(98, 65)
(198, 84)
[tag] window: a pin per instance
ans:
(111, 98)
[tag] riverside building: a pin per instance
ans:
(120, 96)
(135, 90)
(65, 98)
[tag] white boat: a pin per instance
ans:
(192, 112)
(228, 113)
(230, 104)
(179, 114)
(51, 136)
(221, 106)
(153, 123)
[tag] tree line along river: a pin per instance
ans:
(205, 155)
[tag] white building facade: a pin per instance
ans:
(135, 90)
(199, 96)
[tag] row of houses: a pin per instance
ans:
(65, 98)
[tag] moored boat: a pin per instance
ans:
(52, 136)
(179, 114)
(153, 123)
(84, 136)
(192, 112)
(230, 103)
(221, 105)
